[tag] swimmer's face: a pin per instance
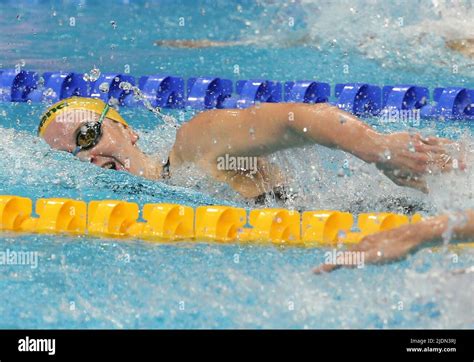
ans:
(116, 148)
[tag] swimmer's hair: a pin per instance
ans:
(93, 105)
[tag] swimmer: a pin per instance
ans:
(464, 46)
(397, 243)
(97, 133)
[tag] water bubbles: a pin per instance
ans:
(114, 102)
(104, 87)
(49, 92)
(126, 86)
(411, 147)
(305, 130)
(341, 235)
(114, 24)
(387, 155)
(92, 76)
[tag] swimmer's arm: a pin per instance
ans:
(403, 157)
(433, 228)
(334, 128)
(198, 43)
(395, 244)
(305, 39)
(270, 127)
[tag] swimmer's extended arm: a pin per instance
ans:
(305, 39)
(396, 243)
(270, 127)
(204, 43)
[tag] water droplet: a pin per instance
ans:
(114, 102)
(387, 155)
(126, 86)
(305, 129)
(94, 74)
(49, 92)
(411, 147)
(104, 87)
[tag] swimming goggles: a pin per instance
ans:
(89, 134)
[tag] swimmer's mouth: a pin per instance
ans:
(112, 165)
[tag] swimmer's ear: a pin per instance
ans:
(131, 134)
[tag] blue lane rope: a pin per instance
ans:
(168, 91)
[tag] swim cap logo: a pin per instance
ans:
(48, 114)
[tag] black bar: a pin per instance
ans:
(292, 345)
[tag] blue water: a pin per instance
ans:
(83, 282)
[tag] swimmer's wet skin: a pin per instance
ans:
(253, 132)
(395, 244)
(93, 131)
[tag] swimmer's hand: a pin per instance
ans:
(407, 157)
(383, 247)
(395, 244)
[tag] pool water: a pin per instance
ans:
(85, 282)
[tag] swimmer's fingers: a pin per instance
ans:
(444, 162)
(407, 180)
(416, 182)
(436, 141)
(326, 268)
(443, 154)
(371, 256)
(364, 245)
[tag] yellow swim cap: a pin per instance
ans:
(92, 104)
